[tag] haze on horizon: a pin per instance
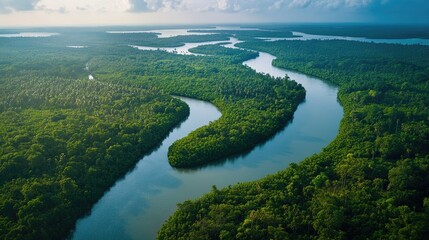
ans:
(19, 13)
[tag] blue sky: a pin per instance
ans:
(140, 12)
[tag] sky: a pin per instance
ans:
(20, 13)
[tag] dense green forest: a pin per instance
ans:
(373, 31)
(229, 54)
(177, 41)
(250, 34)
(253, 106)
(65, 139)
(371, 182)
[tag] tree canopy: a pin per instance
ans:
(371, 182)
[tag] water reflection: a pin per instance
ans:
(304, 37)
(28, 35)
(183, 50)
(137, 205)
(131, 196)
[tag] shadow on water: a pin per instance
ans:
(155, 148)
(130, 197)
(243, 154)
(326, 82)
(137, 205)
(164, 183)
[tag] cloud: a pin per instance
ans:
(7, 6)
(333, 4)
(155, 5)
(300, 3)
(90, 6)
(237, 6)
(227, 6)
(233, 5)
(138, 6)
(358, 3)
(273, 5)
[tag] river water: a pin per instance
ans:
(167, 33)
(182, 50)
(304, 37)
(28, 35)
(137, 205)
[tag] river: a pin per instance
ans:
(137, 205)
(304, 37)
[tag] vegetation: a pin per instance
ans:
(253, 106)
(371, 182)
(251, 34)
(359, 30)
(65, 139)
(228, 54)
(178, 41)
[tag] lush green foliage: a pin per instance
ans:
(178, 41)
(384, 89)
(250, 34)
(371, 182)
(253, 106)
(229, 54)
(359, 30)
(64, 139)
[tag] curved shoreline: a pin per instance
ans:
(138, 204)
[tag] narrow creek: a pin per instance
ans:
(137, 205)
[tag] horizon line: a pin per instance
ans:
(214, 24)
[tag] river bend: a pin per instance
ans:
(137, 205)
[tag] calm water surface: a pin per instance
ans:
(183, 50)
(166, 33)
(137, 205)
(28, 35)
(304, 36)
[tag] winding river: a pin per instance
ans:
(137, 205)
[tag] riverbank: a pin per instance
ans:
(141, 216)
(371, 182)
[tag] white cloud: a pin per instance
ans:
(7, 6)
(245, 6)
(155, 5)
(277, 5)
(222, 4)
(83, 5)
(299, 3)
(357, 3)
(333, 3)
(233, 5)
(272, 5)
(108, 5)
